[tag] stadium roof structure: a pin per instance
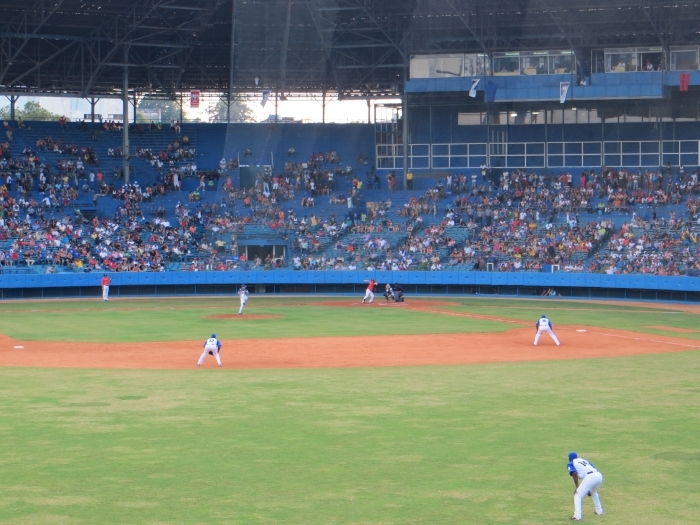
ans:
(355, 48)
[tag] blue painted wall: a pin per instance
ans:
(292, 277)
(546, 87)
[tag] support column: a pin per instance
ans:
(93, 101)
(125, 110)
(488, 133)
(369, 113)
(323, 106)
(230, 66)
(285, 45)
(13, 103)
(404, 110)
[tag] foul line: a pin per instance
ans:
(523, 323)
(644, 339)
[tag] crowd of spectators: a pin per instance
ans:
(513, 222)
(658, 247)
(175, 152)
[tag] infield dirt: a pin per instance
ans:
(359, 351)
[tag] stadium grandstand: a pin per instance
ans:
(542, 146)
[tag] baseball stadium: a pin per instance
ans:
(451, 269)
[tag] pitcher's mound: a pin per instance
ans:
(247, 317)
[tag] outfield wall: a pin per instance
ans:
(18, 286)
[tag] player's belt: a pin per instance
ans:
(591, 472)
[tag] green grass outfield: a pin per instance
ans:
(175, 319)
(478, 444)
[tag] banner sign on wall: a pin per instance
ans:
(194, 98)
(563, 91)
(472, 91)
(491, 89)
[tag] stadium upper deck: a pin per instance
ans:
(352, 47)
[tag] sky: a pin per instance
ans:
(303, 110)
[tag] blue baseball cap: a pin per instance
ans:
(572, 456)
(544, 315)
(213, 335)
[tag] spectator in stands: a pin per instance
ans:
(391, 180)
(291, 152)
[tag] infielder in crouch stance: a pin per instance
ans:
(211, 346)
(587, 480)
(545, 325)
(105, 287)
(369, 293)
(243, 295)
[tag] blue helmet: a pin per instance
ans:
(572, 456)
(543, 316)
(213, 336)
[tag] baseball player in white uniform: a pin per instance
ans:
(587, 480)
(211, 346)
(243, 295)
(544, 325)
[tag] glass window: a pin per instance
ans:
(437, 66)
(469, 119)
(476, 65)
(569, 116)
(634, 59)
(620, 61)
(506, 64)
(561, 62)
(535, 64)
(684, 58)
(651, 61)
(556, 116)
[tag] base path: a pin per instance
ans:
(360, 351)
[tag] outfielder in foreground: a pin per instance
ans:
(211, 346)
(106, 281)
(243, 295)
(544, 325)
(587, 480)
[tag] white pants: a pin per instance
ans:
(589, 484)
(214, 351)
(105, 292)
(368, 295)
(243, 301)
(548, 331)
